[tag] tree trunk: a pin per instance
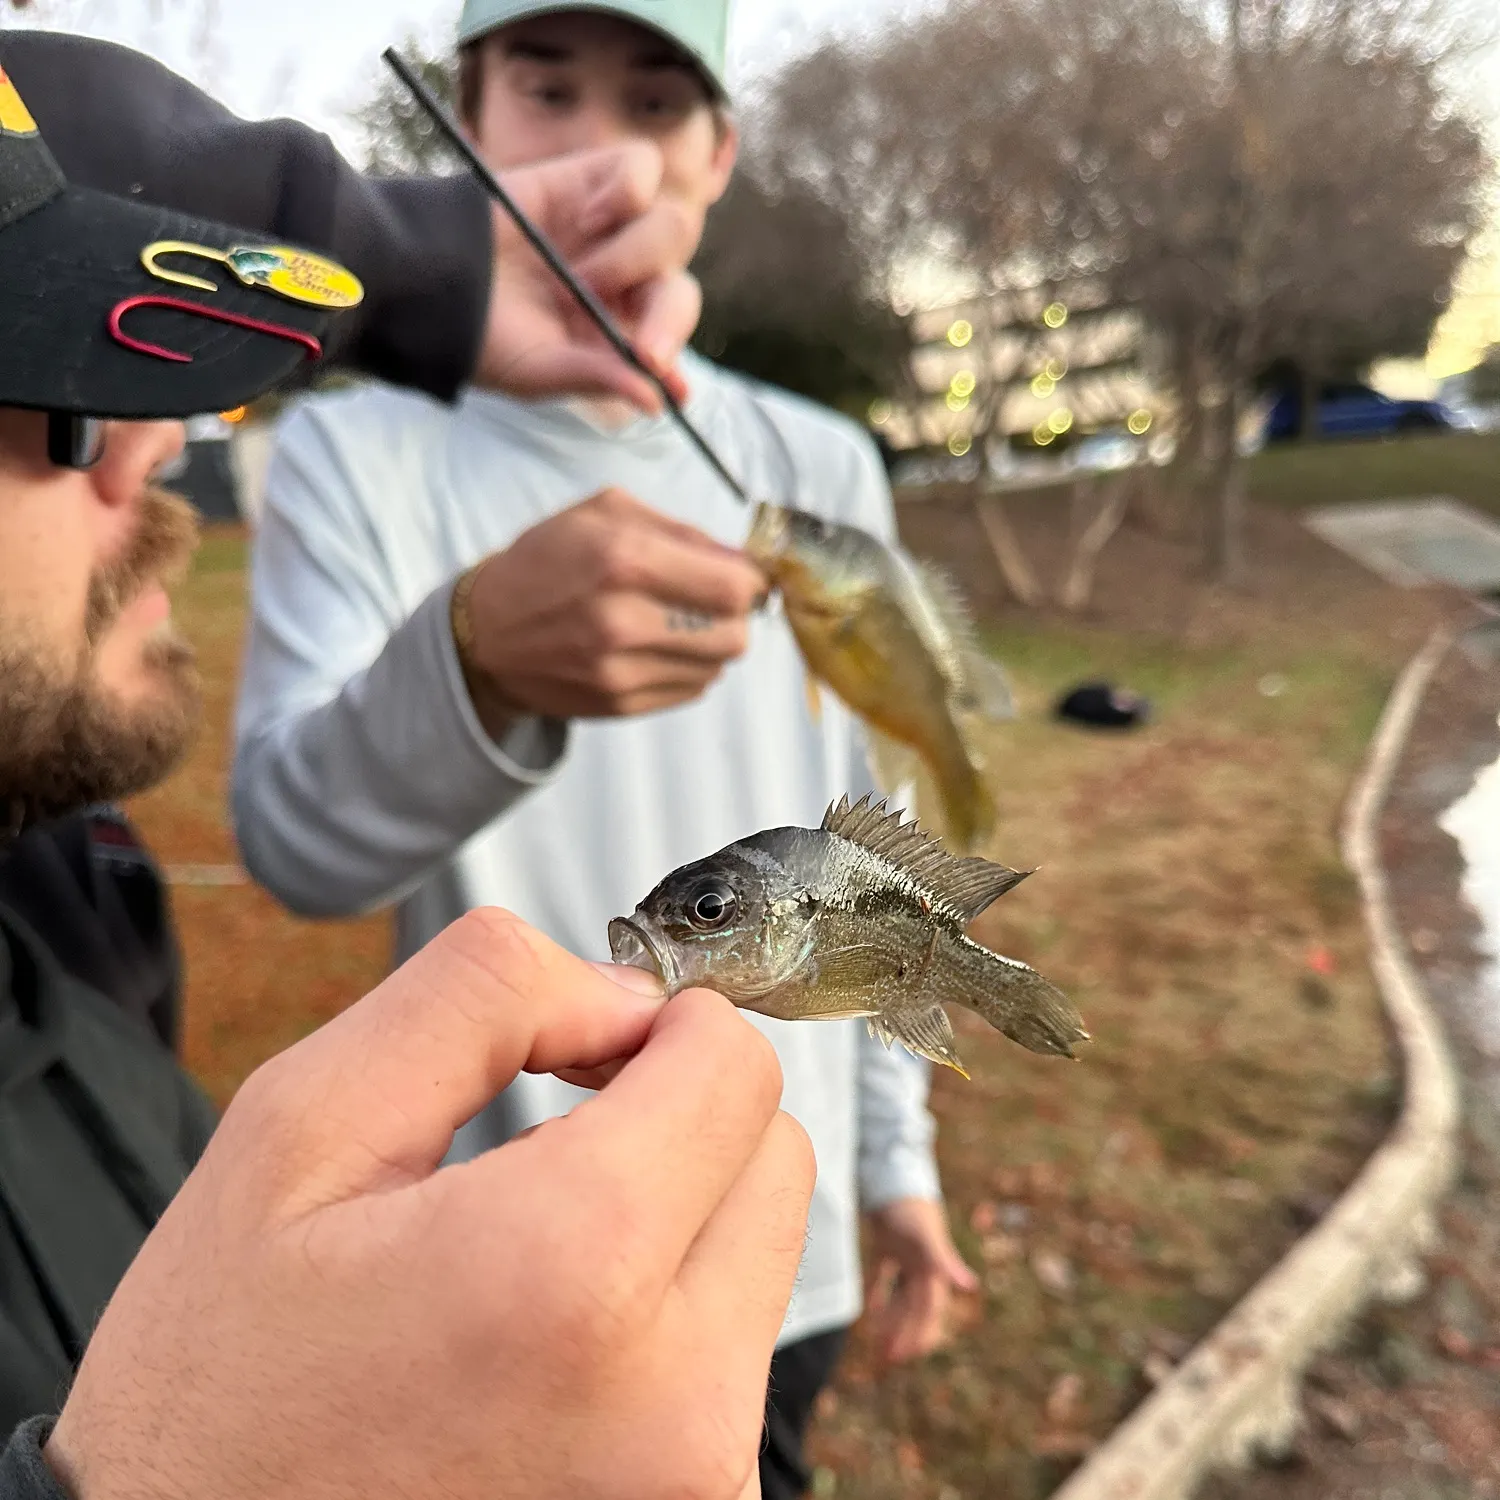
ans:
(1078, 580)
(1310, 428)
(1225, 523)
(1014, 568)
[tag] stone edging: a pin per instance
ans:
(1236, 1396)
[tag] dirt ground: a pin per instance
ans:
(1409, 1408)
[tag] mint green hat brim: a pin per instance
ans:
(699, 27)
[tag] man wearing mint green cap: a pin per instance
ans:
(699, 27)
(547, 694)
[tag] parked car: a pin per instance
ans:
(1351, 410)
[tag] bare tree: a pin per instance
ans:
(399, 135)
(1260, 179)
(793, 292)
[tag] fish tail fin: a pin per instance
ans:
(1013, 998)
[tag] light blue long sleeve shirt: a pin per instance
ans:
(362, 777)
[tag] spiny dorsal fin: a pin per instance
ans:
(968, 885)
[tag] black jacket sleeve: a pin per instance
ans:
(24, 1474)
(122, 123)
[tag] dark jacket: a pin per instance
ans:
(122, 123)
(98, 1124)
(24, 1474)
(98, 1129)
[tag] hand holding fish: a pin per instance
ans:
(606, 610)
(915, 1270)
(323, 1312)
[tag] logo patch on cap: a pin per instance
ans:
(15, 118)
(296, 275)
(289, 273)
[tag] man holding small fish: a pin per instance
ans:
(462, 693)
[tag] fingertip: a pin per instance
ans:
(637, 981)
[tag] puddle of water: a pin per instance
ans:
(1474, 821)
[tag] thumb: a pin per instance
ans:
(956, 1268)
(397, 1074)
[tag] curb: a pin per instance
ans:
(1236, 1397)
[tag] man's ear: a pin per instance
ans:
(726, 153)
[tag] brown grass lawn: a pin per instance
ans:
(1190, 897)
(258, 979)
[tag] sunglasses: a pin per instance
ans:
(75, 442)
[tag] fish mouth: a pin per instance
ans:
(632, 946)
(770, 533)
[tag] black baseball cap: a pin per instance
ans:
(88, 279)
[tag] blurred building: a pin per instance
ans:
(1060, 365)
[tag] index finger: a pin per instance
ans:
(373, 1099)
(675, 565)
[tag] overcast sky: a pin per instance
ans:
(316, 58)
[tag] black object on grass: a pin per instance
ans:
(1098, 705)
(548, 252)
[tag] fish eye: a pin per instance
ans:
(712, 907)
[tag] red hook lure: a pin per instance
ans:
(197, 309)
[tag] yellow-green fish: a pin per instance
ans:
(892, 639)
(865, 916)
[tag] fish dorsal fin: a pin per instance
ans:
(968, 885)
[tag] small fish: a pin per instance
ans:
(864, 916)
(892, 639)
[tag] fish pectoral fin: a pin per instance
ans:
(814, 695)
(986, 689)
(927, 1033)
(862, 967)
(849, 640)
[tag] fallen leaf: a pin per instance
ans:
(1321, 961)
(1172, 1345)
(909, 1457)
(1000, 1249)
(1063, 1400)
(1454, 1344)
(1063, 1445)
(1339, 1417)
(1053, 1271)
